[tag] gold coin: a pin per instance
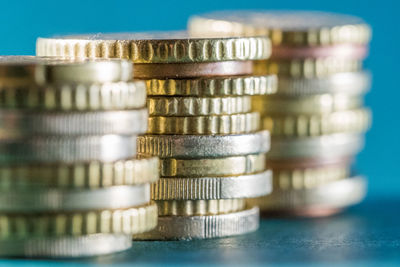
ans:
(307, 68)
(85, 175)
(196, 106)
(314, 104)
(214, 124)
(74, 96)
(168, 47)
(213, 86)
(292, 28)
(304, 178)
(17, 70)
(190, 70)
(199, 207)
(349, 121)
(119, 221)
(228, 166)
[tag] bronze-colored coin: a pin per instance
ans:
(300, 163)
(191, 70)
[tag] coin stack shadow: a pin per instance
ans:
(316, 119)
(201, 126)
(71, 185)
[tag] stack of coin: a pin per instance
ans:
(70, 182)
(316, 118)
(201, 126)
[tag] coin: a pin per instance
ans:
(67, 246)
(208, 188)
(80, 175)
(17, 124)
(74, 96)
(127, 221)
(330, 146)
(315, 104)
(67, 149)
(192, 70)
(196, 106)
(203, 227)
(204, 146)
(199, 207)
(294, 28)
(213, 86)
(155, 47)
(214, 124)
(204, 167)
(306, 68)
(335, 195)
(350, 83)
(17, 70)
(46, 200)
(305, 125)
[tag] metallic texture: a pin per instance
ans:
(330, 146)
(292, 28)
(305, 178)
(199, 207)
(315, 104)
(16, 124)
(198, 106)
(128, 221)
(55, 200)
(30, 70)
(203, 227)
(191, 70)
(335, 195)
(349, 51)
(205, 167)
(213, 86)
(67, 246)
(80, 175)
(208, 188)
(67, 149)
(304, 125)
(172, 47)
(307, 68)
(74, 96)
(214, 124)
(350, 83)
(203, 146)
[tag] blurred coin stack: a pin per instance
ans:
(316, 119)
(201, 126)
(70, 182)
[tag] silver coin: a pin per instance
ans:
(68, 149)
(351, 83)
(204, 146)
(66, 246)
(206, 188)
(20, 123)
(334, 195)
(333, 145)
(45, 200)
(203, 227)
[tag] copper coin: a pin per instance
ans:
(188, 70)
(305, 212)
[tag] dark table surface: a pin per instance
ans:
(368, 234)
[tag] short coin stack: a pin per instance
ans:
(201, 126)
(316, 118)
(69, 179)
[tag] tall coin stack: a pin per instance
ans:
(316, 118)
(69, 179)
(201, 126)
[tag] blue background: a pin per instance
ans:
(23, 21)
(367, 234)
